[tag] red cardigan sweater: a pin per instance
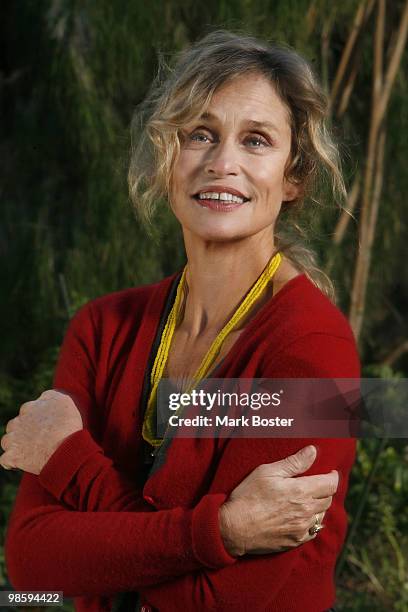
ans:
(85, 526)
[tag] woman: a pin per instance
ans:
(234, 138)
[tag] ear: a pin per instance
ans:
(291, 191)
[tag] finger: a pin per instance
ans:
(6, 462)
(5, 442)
(310, 535)
(322, 505)
(317, 518)
(316, 521)
(26, 407)
(307, 537)
(291, 466)
(319, 485)
(49, 394)
(62, 392)
(11, 425)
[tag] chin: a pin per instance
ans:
(220, 234)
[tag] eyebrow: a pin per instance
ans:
(253, 123)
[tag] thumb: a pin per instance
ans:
(294, 464)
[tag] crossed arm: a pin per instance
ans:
(81, 524)
(90, 532)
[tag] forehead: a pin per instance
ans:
(250, 97)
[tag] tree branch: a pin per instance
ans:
(347, 212)
(360, 18)
(360, 280)
(348, 87)
(394, 62)
(395, 354)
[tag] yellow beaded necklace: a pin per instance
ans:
(149, 426)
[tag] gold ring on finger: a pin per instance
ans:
(316, 527)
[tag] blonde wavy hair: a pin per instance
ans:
(181, 93)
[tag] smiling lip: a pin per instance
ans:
(221, 189)
(220, 205)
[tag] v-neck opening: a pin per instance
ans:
(246, 331)
(165, 308)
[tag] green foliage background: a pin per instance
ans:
(71, 74)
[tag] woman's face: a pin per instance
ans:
(228, 182)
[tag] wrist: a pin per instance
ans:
(233, 540)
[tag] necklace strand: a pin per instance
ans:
(149, 428)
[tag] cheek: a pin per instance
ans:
(270, 181)
(187, 163)
(270, 187)
(177, 181)
(184, 172)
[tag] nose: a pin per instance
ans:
(222, 159)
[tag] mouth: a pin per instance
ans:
(220, 200)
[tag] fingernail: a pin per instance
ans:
(310, 451)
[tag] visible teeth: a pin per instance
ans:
(227, 197)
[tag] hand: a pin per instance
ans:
(270, 511)
(38, 430)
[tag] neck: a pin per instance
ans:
(218, 276)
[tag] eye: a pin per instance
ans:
(197, 137)
(200, 136)
(256, 141)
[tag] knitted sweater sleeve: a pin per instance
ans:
(254, 582)
(96, 535)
